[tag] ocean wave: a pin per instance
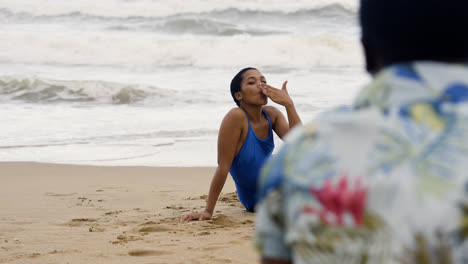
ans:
(164, 8)
(128, 50)
(154, 138)
(38, 90)
(223, 22)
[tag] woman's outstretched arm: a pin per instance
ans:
(228, 140)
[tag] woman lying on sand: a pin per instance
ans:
(245, 137)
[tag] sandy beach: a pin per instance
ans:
(85, 214)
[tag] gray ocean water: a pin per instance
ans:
(146, 82)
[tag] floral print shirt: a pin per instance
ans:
(381, 181)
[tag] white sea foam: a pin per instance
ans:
(123, 49)
(146, 82)
(226, 22)
(149, 8)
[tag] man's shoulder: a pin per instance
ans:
(338, 122)
(334, 136)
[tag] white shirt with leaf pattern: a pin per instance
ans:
(381, 181)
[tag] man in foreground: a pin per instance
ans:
(384, 180)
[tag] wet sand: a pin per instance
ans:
(85, 214)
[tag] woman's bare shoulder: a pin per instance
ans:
(235, 115)
(271, 110)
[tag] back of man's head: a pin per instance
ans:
(410, 30)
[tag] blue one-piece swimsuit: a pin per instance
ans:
(246, 165)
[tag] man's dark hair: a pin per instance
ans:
(236, 83)
(409, 30)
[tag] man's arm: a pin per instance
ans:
(270, 231)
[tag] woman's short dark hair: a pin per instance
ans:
(236, 83)
(409, 30)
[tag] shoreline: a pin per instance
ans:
(59, 213)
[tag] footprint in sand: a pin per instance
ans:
(67, 251)
(230, 199)
(58, 194)
(123, 239)
(224, 221)
(211, 248)
(96, 229)
(143, 253)
(223, 261)
(118, 188)
(237, 242)
(219, 221)
(113, 212)
(79, 221)
(170, 220)
(153, 228)
(217, 260)
(83, 201)
(177, 207)
(247, 222)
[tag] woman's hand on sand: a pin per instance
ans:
(279, 96)
(205, 215)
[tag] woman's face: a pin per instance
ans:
(251, 90)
